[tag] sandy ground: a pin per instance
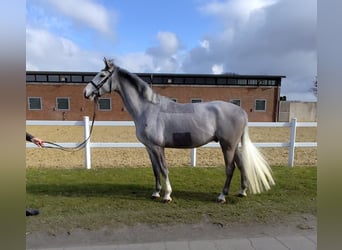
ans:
(137, 157)
(295, 225)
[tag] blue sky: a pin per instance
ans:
(275, 37)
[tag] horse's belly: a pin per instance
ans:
(189, 139)
(180, 140)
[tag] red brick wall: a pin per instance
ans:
(80, 107)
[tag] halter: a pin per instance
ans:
(103, 81)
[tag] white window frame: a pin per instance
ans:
(33, 97)
(110, 104)
(233, 101)
(57, 108)
(255, 105)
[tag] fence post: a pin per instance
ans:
(193, 157)
(87, 145)
(292, 141)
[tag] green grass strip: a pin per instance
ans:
(92, 199)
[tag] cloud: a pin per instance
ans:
(46, 51)
(87, 12)
(260, 37)
(234, 12)
(165, 54)
(136, 62)
(217, 69)
(250, 37)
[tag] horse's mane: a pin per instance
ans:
(140, 85)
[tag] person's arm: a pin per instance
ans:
(29, 137)
(35, 140)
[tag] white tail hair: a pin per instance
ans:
(258, 172)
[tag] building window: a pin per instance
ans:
(30, 78)
(62, 103)
(262, 82)
(157, 80)
(236, 102)
(196, 100)
(64, 78)
(252, 82)
(178, 80)
(174, 99)
(41, 78)
(260, 105)
(242, 82)
(105, 104)
(272, 82)
(88, 78)
(53, 78)
(200, 80)
(76, 78)
(189, 80)
(210, 81)
(222, 81)
(35, 103)
(231, 81)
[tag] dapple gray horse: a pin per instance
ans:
(160, 123)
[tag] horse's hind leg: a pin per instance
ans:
(228, 154)
(241, 166)
(157, 157)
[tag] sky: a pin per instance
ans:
(253, 37)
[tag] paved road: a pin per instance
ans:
(300, 242)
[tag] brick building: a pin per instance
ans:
(59, 95)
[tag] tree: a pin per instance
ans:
(315, 87)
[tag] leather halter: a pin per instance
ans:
(103, 81)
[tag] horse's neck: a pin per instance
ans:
(134, 101)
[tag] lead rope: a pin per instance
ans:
(79, 146)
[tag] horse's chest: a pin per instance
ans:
(150, 132)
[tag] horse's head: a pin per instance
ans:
(103, 82)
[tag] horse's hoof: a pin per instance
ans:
(155, 196)
(242, 193)
(221, 201)
(167, 200)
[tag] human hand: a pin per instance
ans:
(38, 142)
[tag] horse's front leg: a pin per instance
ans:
(156, 172)
(159, 166)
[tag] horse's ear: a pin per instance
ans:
(106, 62)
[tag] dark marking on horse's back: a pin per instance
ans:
(173, 107)
(182, 139)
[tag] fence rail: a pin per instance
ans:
(291, 144)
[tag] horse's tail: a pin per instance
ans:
(258, 172)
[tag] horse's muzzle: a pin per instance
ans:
(85, 94)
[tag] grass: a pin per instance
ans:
(91, 199)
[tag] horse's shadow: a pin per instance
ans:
(119, 191)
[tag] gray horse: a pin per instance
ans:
(160, 122)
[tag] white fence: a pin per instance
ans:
(292, 144)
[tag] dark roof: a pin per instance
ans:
(226, 79)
